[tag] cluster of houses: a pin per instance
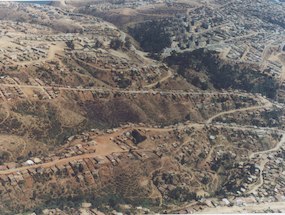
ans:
(105, 6)
(77, 165)
(273, 174)
(11, 88)
(268, 180)
(256, 118)
(8, 93)
(238, 35)
(81, 161)
(17, 53)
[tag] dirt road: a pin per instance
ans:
(276, 148)
(259, 207)
(128, 91)
(266, 104)
(264, 161)
(163, 79)
(56, 162)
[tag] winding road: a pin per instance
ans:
(264, 161)
(276, 148)
(266, 104)
(163, 79)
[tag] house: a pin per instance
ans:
(226, 201)
(28, 163)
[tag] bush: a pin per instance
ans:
(181, 194)
(151, 36)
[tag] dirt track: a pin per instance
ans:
(127, 91)
(267, 104)
(260, 207)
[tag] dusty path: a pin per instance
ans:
(182, 207)
(62, 161)
(267, 104)
(243, 57)
(209, 156)
(94, 67)
(276, 148)
(255, 187)
(245, 209)
(7, 115)
(128, 91)
(55, 162)
(105, 152)
(163, 79)
(264, 161)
